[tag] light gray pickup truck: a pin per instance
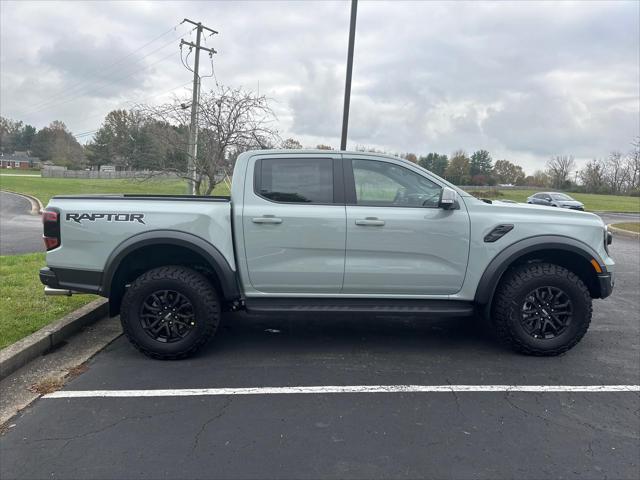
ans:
(324, 231)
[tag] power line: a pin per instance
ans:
(102, 69)
(133, 100)
(71, 96)
(90, 86)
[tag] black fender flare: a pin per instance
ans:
(215, 259)
(496, 268)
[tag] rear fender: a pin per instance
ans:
(226, 276)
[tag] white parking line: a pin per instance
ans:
(189, 392)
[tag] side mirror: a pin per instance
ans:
(448, 199)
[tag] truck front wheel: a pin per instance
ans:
(541, 309)
(170, 312)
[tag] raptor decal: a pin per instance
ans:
(109, 217)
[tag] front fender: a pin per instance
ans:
(496, 268)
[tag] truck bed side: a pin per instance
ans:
(93, 228)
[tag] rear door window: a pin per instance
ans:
(308, 180)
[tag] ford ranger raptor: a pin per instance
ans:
(328, 231)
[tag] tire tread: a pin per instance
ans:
(205, 292)
(512, 285)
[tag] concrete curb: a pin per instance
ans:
(614, 211)
(36, 205)
(622, 232)
(23, 351)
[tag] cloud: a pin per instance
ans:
(522, 80)
(86, 64)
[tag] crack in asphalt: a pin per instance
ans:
(457, 400)
(220, 413)
(71, 438)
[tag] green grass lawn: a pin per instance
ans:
(630, 226)
(45, 188)
(23, 306)
(592, 202)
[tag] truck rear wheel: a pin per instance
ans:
(541, 309)
(170, 312)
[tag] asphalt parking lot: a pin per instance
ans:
(20, 232)
(503, 434)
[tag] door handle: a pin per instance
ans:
(370, 222)
(267, 219)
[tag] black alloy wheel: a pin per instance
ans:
(547, 312)
(167, 316)
(541, 308)
(170, 312)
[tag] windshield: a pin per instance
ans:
(560, 196)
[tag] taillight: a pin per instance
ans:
(51, 227)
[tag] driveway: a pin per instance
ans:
(20, 232)
(151, 432)
(619, 217)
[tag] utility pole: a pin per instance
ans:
(347, 86)
(193, 129)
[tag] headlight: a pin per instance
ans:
(608, 238)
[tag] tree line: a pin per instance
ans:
(619, 173)
(155, 139)
(54, 143)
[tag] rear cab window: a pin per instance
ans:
(292, 180)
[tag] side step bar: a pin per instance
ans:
(439, 308)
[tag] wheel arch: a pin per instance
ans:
(182, 248)
(564, 251)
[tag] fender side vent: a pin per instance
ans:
(497, 233)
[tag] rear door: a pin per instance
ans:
(398, 240)
(294, 223)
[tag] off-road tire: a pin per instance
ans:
(510, 296)
(193, 285)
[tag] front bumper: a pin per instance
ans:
(606, 281)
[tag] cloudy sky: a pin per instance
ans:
(524, 80)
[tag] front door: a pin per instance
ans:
(294, 224)
(398, 239)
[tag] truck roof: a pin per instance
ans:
(316, 151)
(243, 157)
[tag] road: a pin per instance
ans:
(619, 217)
(490, 435)
(20, 232)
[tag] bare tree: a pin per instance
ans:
(291, 144)
(633, 166)
(559, 168)
(539, 179)
(593, 176)
(231, 121)
(616, 172)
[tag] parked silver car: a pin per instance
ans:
(555, 199)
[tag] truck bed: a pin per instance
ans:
(93, 226)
